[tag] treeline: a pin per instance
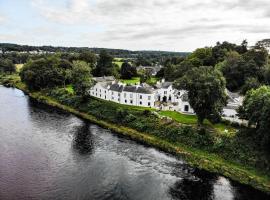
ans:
(243, 68)
(151, 57)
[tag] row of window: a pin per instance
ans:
(125, 94)
(131, 101)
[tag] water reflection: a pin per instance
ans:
(83, 140)
(198, 186)
(48, 154)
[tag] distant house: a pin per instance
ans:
(235, 100)
(153, 69)
(162, 96)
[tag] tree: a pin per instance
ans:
(264, 43)
(6, 66)
(250, 83)
(88, 57)
(233, 70)
(81, 77)
(46, 72)
(256, 109)
(145, 76)
(202, 57)
(127, 71)
(206, 91)
(105, 65)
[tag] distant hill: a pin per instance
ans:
(7, 47)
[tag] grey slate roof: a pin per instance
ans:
(142, 89)
(130, 88)
(116, 87)
(164, 85)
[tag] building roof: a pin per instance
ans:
(164, 85)
(116, 87)
(104, 79)
(142, 89)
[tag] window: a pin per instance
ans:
(105, 91)
(186, 108)
(149, 97)
(125, 95)
(112, 93)
(165, 92)
(118, 99)
(149, 104)
(119, 94)
(100, 95)
(96, 89)
(96, 94)
(112, 97)
(131, 95)
(105, 97)
(125, 101)
(140, 103)
(100, 90)
(140, 96)
(131, 101)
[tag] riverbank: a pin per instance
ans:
(194, 156)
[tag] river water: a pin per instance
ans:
(48, 154)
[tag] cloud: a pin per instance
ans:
(129, 23)
(3, 19)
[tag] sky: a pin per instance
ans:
(170, 25)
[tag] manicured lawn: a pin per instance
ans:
(179, 117)
(18, 67)
(192, 119)
(131, 81)
(118, 63)
(136, 80)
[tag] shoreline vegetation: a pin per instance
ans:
(176, 141)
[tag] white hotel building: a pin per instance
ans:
(162, 96)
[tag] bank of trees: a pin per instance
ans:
(6, 66)
(53, 72)
(238, 64)
(256, 109)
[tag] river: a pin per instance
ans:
(48, 154)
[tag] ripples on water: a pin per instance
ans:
(48, 154)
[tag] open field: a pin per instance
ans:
(18, 67)
(136, 80)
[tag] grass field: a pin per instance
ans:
(136, 80)
(192, 119)
(132, 81)
(18, 67)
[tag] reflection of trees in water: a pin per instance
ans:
(245, 192)
(198, 187)
(83, 141)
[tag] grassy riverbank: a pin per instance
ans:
(232, 156)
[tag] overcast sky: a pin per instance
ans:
(173, 25)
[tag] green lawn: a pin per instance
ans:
(131, 81)
(192, 119)
(136, 80)
(70, 89)
(118, 63)
(18, 67)
(179, 117)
